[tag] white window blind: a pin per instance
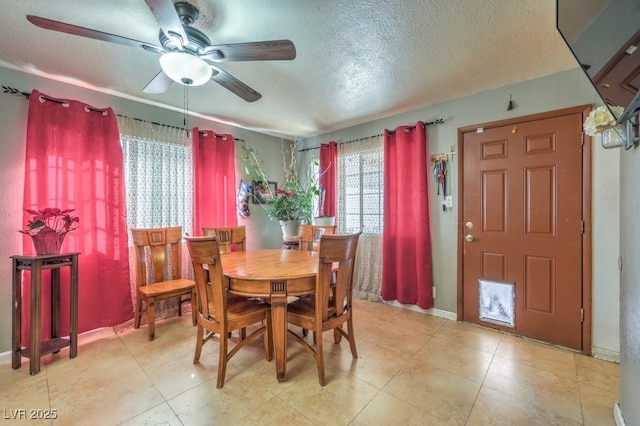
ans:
(158, 177)
(361, 186)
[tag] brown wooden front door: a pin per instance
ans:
(522, 223)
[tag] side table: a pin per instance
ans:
(37, 348)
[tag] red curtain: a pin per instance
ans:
(74, 161)
(406, 248)
(214, 180)
(329, 176)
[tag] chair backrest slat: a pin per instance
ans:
(309, 236)
(162, 246)
(229, 238)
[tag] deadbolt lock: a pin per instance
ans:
(469, 225)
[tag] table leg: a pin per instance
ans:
(73, 332)
(55, 303)
(36, 309)
(279, 323)
(16, 301)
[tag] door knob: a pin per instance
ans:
(469, 237)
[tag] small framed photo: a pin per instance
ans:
(263, 193)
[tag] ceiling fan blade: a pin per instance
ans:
(234, 85)
(159, 84)
(167, 17)
(271, 50)
(49, 24)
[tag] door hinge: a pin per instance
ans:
(582, 226)
(581, 314)
(582, 138)
(434, 291)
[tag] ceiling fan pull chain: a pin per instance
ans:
(185, 96)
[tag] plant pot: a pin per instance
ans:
(47, 241)
(290, 229)
(612, 137)
(324, 220)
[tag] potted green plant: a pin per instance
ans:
(294, 200)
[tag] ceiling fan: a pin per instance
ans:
(187, 55)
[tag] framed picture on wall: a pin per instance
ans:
(263, 193)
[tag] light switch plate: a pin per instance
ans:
(448, 201)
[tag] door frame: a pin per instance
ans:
(586, 210)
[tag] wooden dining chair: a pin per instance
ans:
(328, 308)
(159, 272)
(230, 238)
(309, 236)
(309, 240)
(220, 312)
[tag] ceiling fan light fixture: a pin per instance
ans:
(185, 68)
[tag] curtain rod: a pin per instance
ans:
(14, 91)
(427, 123)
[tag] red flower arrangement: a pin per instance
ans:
(283, 192)
(60, 221)
(48, 227)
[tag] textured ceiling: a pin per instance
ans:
(357, 60)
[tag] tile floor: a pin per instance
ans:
(413, 369)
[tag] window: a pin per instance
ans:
(158, 178)
(361, 186)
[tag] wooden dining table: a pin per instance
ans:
(273, 274)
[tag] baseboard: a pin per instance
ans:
(617, 415)
(433, 311)
(88, 336)
(605, 354)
